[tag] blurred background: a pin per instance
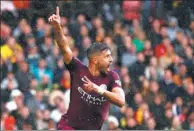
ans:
(152, 44)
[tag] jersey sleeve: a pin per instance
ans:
(115, 82)
(74, 65)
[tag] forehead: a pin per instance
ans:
(106, 52)
(102, 53)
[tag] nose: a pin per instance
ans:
(111, 59)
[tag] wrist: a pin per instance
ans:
(99, 90)
(57, 28)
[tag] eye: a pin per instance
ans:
(107, 56)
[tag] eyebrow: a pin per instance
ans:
(109, 54)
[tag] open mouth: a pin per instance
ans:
(108, 68)
(109, 65)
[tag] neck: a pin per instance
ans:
(93, 70)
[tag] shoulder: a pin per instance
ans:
(113, 73)
(75, 64)
(79, 63)
(115, 79)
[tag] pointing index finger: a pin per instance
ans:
(57, 11)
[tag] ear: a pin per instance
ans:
(94, 60)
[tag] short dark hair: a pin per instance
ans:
(96, 48)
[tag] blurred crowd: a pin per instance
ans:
(152, 44)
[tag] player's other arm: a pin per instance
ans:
(116, 96)
(61, 39)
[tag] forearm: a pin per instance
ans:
(63, 45)
(61, 39)
(114, 98)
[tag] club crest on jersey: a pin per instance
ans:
(118, 82)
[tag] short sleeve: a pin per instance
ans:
(74, 65)
(115, 82)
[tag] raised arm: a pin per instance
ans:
(61, 39)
